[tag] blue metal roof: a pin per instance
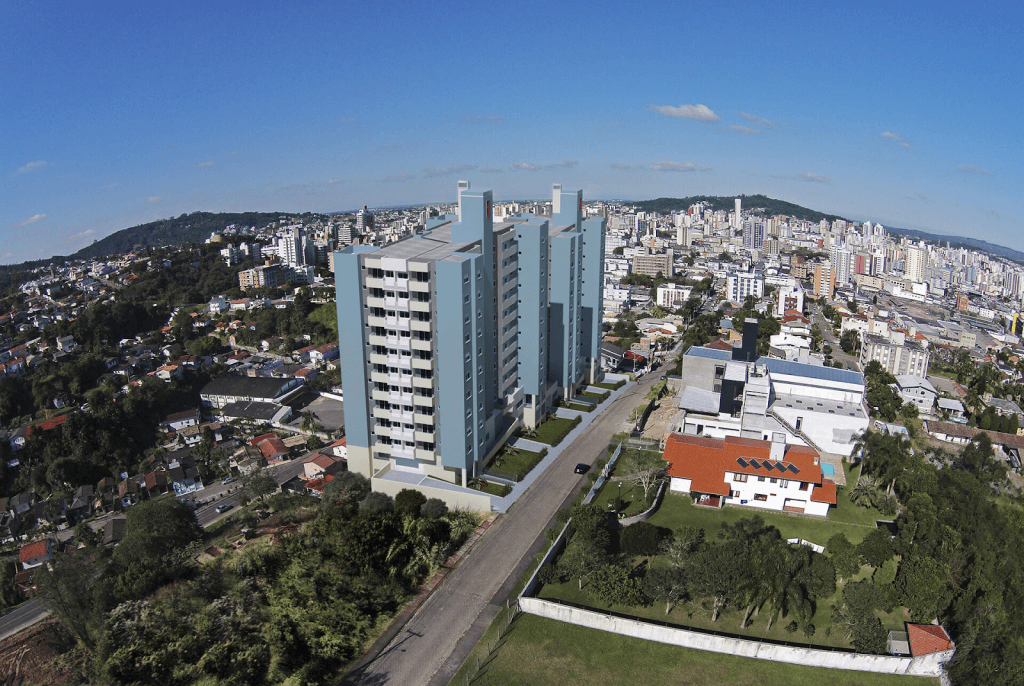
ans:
(775, 366)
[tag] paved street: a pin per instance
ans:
(848, 361)
(23, 616)
(431, 636)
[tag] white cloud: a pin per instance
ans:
(760, 121)
(674, 167)
(32, 165)
(433, 172)
(399, 177)
(31, 220)
(525, 166)
(154, 198)
(491, 170)
(896, 137)
(203, 164)
(112, 185)
(698, 112)
(333, 181)
(971, 169)
(743, 129)
(79, 236)
(564, 164)
(815, 178)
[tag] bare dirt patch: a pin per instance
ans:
(43, 655)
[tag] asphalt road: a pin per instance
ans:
(431, 636)
(23, 616)
(849, 361)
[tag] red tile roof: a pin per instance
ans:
(48, 424)
(256, 440)
(825, 493)
(273, 447)
(318, 483)
(719, 345)
(927, 638)
(324, 461)
(705, 461)
(34, 550)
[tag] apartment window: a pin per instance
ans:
(760, 496)
(760, 478)
(803, 486)
(784, 483)
(773, 481)
(741, 478)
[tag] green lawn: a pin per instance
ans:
(540, 651)
(500, 490)
(553, 430)
(580, 408)
(846, 511)
(595, 398)
(678, 510)
(609, 386)
(518, 462)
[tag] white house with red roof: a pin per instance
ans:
(35, 554)
(767, 475)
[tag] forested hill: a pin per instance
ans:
(187, 228)
(770, 206)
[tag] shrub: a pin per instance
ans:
(792, 627)
(642, 538)
(409, 502)
(433, 508)
(377, 502)
(809, 630)
(613, 585)
(550, 574)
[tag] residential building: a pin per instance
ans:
(264, 276)
(824, 280)
(739, 285)
(917, 260)
(910, 357)
(916, 390)
(650, 264)
(231, 388)
(454, 337)
(791, 296)
(767, 475)
(673, 296)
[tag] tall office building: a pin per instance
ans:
(453, 337)
(739, 216)
(842, 263)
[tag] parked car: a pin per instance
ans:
(228, 480)
(224, 508)
(582, 468)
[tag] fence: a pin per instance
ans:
(816, 548)
(605, 473)
(926, 665)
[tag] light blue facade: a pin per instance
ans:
(353, 351)
(532, 238)
(591, 295)
(564, 323)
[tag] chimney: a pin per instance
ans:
(778, 448)
(817, 460)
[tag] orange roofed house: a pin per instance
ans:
(768, 475)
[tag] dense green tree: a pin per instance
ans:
(876, 548)
(408, 502)
(665, 584)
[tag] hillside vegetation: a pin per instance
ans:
(770, 206)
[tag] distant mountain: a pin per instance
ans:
(962, 242)
(770, 206)
(187, 228)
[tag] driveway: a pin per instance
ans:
(430, 649)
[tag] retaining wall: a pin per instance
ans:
(453, 499)
(649, 512)
(927, 665)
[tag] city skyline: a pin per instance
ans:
(115, 119)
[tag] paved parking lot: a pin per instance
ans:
(331, 413)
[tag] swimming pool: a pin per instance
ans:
(828, 469)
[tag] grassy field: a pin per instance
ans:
(846, 511)
(539, 651)
(580, 408)
(492, 488)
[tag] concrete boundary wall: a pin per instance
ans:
(454, 499)
(332, 396)
(927, 665)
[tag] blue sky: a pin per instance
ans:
(113, 114)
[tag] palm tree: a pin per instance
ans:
(865, 492)
(310, 421)
(787, 594)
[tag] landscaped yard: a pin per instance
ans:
(595, 398)
(554, 430)
(516, 461)
(609, 386)
(678, 510)
(580, 408)
(540, 651)
(846, 511)
(491, 488)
